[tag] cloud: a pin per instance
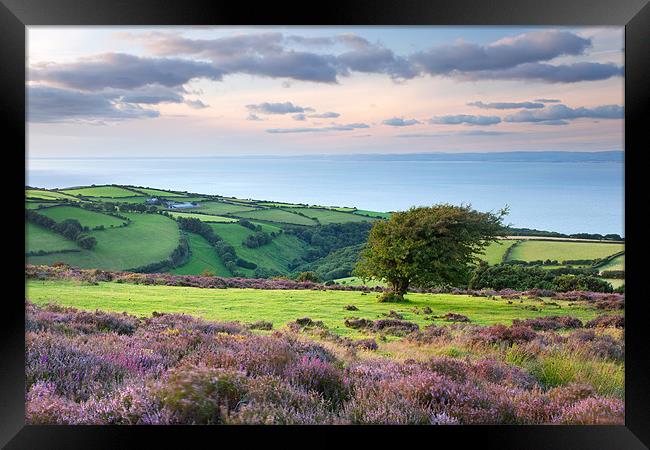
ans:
(260, 54)
(311, 41)
(335, 127)
(506, 105)
(122, 71)
(196, 104)
(325, 115)
(454, 133)
(503, 54)
(299, 117)
(560, 114)
(254, 117)
(566, 73)
(278, 108)
(465, 119)
(400, 122)
(517, 57)
(547, 100)
(50, 104)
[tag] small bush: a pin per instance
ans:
(607, 321)
(261, 325)
(202, 395)
(390, 297)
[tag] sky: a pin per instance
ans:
(224, 91)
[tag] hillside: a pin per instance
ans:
(138, 228)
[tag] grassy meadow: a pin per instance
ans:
(530, 250)
(38, 238)
(148, 238)
(282, 306)
(85, 217)
(202, 217)
(202, 257)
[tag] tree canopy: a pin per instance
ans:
(428, 246)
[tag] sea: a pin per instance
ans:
(567, 192)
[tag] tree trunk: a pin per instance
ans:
(399, 287)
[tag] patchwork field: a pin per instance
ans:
(617, 263)
(102, 191)
(494, 253)
(277, 215)
(277, 255)
(85, 217)
(363, 212)
(280, 306)
(218, 208)
(38, 238)
(354, 281)
(327, 216)
(37, 205)
(48, 195)
(149, 238)
(202, 217)
(531, 250)
(202, 257)
(140, 199)
(158, 192)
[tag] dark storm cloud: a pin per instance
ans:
(400, 122)
(507, 105)
(336, 127)
(559, 114)
(49, 104)
(278, 108)
(465, 119)
(122, 71)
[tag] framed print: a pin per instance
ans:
(405, 219)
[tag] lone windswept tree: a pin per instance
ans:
(428, 246)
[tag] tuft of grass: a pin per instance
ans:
(561, 368)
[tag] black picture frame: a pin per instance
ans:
(16, 15)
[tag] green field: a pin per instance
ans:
(531, 250)
(276, 255)
(327, 216)
(101, 191)
(48, 195)
(149, 238)
(218, 208)
(37, 205)
(202, 257)
(494, 252)
(354, 281)
(277, 215)
(617, 263)
(280, 307)
(202, 217)
(364, 212)
(157, 192)
(141, 199)
(615, 282)
(38, 238)
(85, 217)
(278, 204)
